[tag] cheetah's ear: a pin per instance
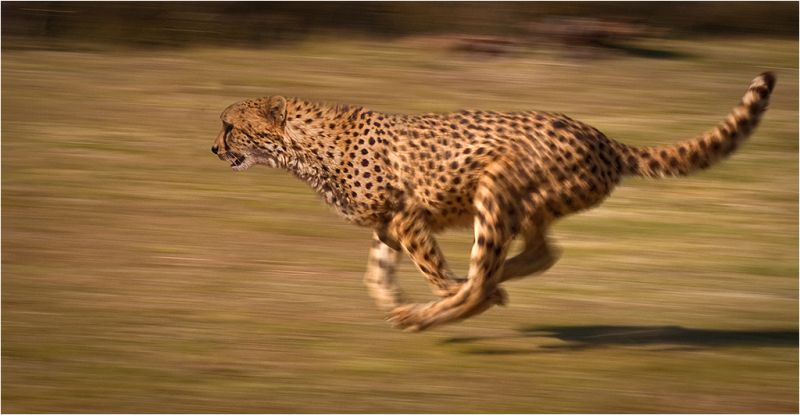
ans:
(276, 110)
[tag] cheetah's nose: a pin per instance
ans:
(214, 149)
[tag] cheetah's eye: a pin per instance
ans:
(228, 128)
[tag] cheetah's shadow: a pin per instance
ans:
(663, 338)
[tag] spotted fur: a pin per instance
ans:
(507, 174)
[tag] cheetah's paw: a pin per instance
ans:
(411, 317)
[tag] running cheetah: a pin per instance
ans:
(410, 176)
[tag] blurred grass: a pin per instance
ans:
(141, 275)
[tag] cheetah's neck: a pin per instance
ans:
(341, 152)
(315, 150)
(316, 172)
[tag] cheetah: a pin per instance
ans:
(507, 174)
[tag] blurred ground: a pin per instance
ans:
(141, 275)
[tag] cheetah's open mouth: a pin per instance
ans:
(237, 161)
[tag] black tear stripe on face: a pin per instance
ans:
(228, 129)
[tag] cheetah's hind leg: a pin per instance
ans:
(538, 255)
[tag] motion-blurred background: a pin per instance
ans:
(141, 275)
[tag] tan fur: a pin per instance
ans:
(506, 174)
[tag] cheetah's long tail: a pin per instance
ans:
(703, 151)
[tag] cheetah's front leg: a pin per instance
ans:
(380, 276)
(411, 229)
(492, 239)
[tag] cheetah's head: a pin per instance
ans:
(253, 133)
